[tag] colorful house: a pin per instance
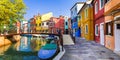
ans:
(51, 25)
(38, 23)
(86, 21)
(61, 23)
(66, 24)
(44, 26)
(32, 24)
(45, 20)
(18, 26)
(112, 25)
(69, 26)
(74, 18)
(99, 21)
(58, 24)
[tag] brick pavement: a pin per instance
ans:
(88, 50)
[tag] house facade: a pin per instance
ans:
(86, 21)
(66, 25)
(69, 26)
(33, 24)
(74, 18)
(51, 25)
(99, 21)
(38, 23)
(112, 25)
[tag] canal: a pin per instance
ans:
(25, 49)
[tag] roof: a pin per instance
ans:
(84, 6)
(76, 4)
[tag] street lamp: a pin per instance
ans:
(4, 28)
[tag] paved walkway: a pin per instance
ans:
(88, 50)
(67, 40)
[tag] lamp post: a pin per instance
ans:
(4, 29)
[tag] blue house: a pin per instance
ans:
(74, 18)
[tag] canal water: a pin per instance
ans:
(25, 49)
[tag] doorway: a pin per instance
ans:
(102, 33)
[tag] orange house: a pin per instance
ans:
(112, 24)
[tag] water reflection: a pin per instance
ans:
(24, 44)
(4, 48)
(25, 49)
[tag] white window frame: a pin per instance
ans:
(96, 6)
(96, 34)
(101, 3)
(86, 29)
(86, 12)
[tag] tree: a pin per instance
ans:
(11, 11)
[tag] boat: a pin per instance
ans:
(48, 51)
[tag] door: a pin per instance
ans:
(102, 34)
(117, 37)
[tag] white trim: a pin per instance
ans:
(87, 29)
(95, 30)
(116, 17)
(96, 3)
(117, 49)
(102, 40)
(108, 21)
(100, 7)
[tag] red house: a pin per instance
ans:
(59, 24)
(99, 20)
(32, 24)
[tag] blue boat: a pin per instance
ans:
(47, 51)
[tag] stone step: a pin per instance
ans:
(67, 40)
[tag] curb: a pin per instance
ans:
(59, 56)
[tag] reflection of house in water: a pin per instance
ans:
(37, 42)
(25, 44)
(4, 48)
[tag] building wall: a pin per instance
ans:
(18, 26)
(82, 24)
(66, 21)
(32, 24)
(38, 23)
(111, 6)
(98, 18)
(74, 11)
(86, 20)
(46, 16)
(69, 26)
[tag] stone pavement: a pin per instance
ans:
(88, 50)
(67, 40)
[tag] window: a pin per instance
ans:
(96, 7)
(39, 24)
(76, 9)
(47, 23)
(66, 23)
(71, 13)
(109, 28)
(86, 29)
(118, 26)
(96, 30)
(86, 13)
(101, 4)
(42, 24)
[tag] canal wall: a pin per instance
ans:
(4, 41)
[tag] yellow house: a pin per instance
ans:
(38, 23)
(86, 22)
(44, 19)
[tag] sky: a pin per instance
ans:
(57, 7)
